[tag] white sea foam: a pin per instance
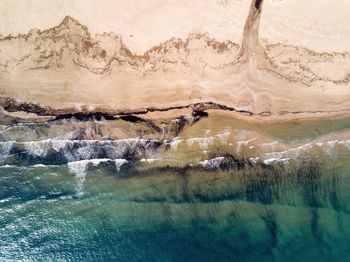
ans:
(78, 168)
(7, 199)
(175, 142)
(37, 148)
(275, 160)
(5, 148)
(149, 160)
(85, 151)
(7, 166)
(203, 142)
(75, 150)
(212, 163)
(346, 143)
(119, 163)
(254, 160)
(39, 165)
(330, 146)
(325, 148)
(58, 144)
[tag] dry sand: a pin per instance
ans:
(248, 60)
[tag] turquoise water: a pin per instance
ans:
(148, 214)
(82, 191)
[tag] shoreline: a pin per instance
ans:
(65, 72)
(23, 110)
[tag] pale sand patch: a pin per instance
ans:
(142, 24)
(319, 25)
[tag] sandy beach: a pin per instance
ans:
(244, 64)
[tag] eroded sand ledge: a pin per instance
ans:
(65, 70)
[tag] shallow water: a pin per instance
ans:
(186, 200)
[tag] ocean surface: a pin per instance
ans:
(221, 190)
